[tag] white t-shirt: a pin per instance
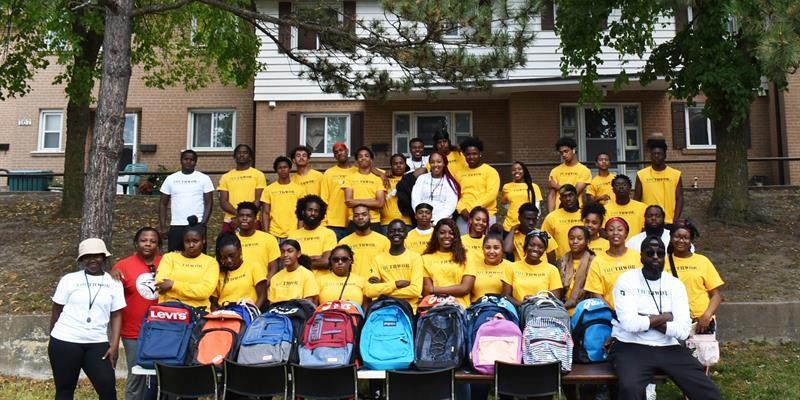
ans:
(438, 193)
(78, 324)
(186, 195)
(414, 165)
(634, 304)
(635, 242)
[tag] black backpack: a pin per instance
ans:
(440, 341)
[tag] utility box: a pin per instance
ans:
(28, 181)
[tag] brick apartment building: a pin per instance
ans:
(519, 119)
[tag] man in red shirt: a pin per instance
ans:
(137, 274)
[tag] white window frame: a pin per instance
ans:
(688, 129)
(40, 145)
(135, 143)
(348, 129)
(580, 129)
(412, 129)
(190, 129)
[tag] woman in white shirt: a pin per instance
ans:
(83, 305)
(437, 188)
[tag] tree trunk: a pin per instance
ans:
(79, 91)
(729, 200)
(101, 177)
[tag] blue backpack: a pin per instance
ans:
(269, 339)
(167, 333)
(249, 312)
(441, 339)
(387, 338)
(591, 327)
(485, 309)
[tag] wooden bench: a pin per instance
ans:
(581, 373)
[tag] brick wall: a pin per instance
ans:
(791, 114)
(163, 120)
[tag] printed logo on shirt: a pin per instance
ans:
(283, 192)
(242, 177)
(394, 267)
(618, 268)
(530, 274)
(146, 286)
(363, 245)
(657, 179)
(289, 283)
(183, 181)
(566, 221)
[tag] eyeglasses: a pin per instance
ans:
(654, 253)
(336, 260)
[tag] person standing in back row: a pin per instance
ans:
(418, 158)
(243, 183)
(659, 183)
(186, 193)
(279, 201)
(570, 171)
(479, 182)
(306, 176)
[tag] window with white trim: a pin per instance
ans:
(321, 131)
(698, 129)
(51, 125)
(408, 125)
(212, 129)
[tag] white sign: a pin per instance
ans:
(24, 122)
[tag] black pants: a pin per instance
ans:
(67, 359)
(636, 364)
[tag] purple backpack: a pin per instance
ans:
(496, 340)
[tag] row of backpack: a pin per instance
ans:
(389, 337)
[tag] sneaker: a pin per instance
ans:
(651, 391)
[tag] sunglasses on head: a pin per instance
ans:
(336, 260)
(654, 253)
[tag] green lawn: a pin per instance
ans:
(747, 372)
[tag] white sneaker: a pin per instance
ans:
(651, 391)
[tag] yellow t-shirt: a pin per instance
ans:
(391, 210)
(479, 187)
(558, 224)
(443, 271)
(260, 248)
(699, 276)
(515, 195)
(604, 271)
(564, 174)
(390, 269)
(282, 200)
(632, 213)
(297, 284)
(194, 279)
(601, 185)
(599, 245)
(314, 242)
(418, 242)
(240, 284)
(241, 186)
(530, 279)
(365, 248)
(311, 181)
(333, 195)
(489, 278)
(519, 246)
(365, 186)
(330, 286)
(474, 246)
(658, 187)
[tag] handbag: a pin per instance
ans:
(704, 347)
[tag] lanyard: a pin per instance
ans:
(92, 299)
(658, 304)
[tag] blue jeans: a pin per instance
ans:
(340, 232)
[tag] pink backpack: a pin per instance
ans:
(496, 340)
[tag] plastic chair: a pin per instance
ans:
(186, 381)
(255, 380)
(325, 383)
(403, 385)
(131, 181)
(520, 380)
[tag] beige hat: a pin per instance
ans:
(92, 246)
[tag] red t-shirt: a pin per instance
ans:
(140, 292)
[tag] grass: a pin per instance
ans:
(751, 371)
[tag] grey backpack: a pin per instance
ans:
(544, 304)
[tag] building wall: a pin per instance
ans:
(791, 113)
(523, 127)
(163, 120)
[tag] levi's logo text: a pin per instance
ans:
(169, 314)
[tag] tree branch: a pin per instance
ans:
(159, 8)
